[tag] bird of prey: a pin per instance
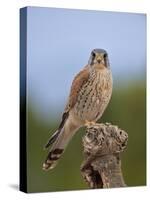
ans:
(89, 96)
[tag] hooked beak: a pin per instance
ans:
(99, 61)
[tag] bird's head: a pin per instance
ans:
(99, 58)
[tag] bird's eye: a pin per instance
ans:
(105, 55)
(93, 54)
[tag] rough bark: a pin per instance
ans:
(103, 144)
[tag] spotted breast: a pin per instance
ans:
(94, 95)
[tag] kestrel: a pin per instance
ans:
(89, 96)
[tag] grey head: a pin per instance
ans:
(99, 56)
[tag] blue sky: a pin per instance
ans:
(59, 42)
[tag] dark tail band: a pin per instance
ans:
(52, 158)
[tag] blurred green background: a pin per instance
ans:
(59, 43)
(127, 109)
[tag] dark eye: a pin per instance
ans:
(105, 55)
(93, 54)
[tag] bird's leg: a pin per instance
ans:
(89, 123)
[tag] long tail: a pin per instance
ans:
(60, 139)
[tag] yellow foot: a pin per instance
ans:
(89, 123)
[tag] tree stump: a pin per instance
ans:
(103, 144)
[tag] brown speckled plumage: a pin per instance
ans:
(89, 96)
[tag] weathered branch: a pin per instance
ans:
(103, 144)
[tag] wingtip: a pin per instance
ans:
(45, 146)
(52, 139)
